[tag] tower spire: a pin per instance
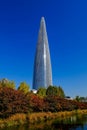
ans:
(42, 65)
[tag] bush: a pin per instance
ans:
(36, 103)
(12, 101)
(55, 104)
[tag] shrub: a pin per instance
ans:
(12, 101)
(36, 103)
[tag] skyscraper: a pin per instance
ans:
(42, 76)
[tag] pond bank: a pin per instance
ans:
(32, 118)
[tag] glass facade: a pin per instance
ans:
(42, 76)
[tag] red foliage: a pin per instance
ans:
(55, 103)
(12, 101)
(36, 103)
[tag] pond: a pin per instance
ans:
(77, 122)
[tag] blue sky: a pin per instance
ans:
(66, 22)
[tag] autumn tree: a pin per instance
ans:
(41, 92)
(6, 83)
(23, 87)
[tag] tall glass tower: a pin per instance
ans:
(42, 76)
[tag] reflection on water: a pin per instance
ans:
(72, 123)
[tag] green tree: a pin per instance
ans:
(55, 91)
(80, 99)
(41, 92)
(77, 98)
(6, 83)
(60, 92)
(52, 91)
(24, 87)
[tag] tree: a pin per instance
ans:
(60, 92)
(55, 91)
(6, 83)
(23, 87)
(77, 98)
(80, 99)
(52, 91)
(41, 92)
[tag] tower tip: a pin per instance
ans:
(42, 19)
